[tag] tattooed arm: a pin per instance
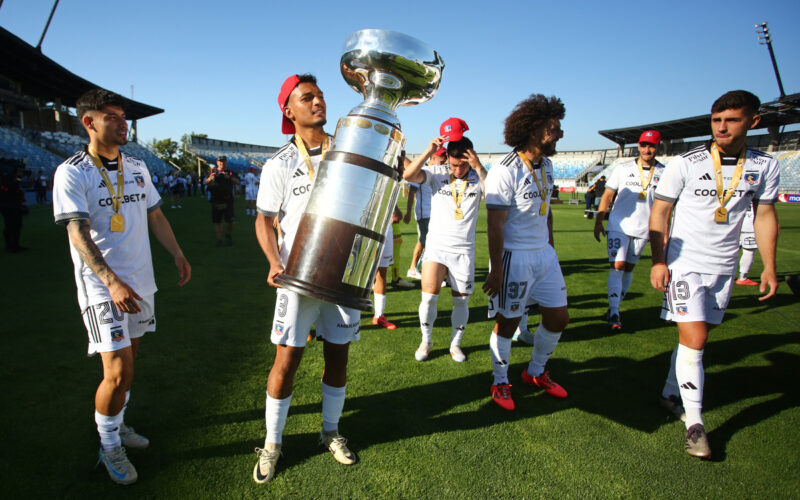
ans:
(124, 297)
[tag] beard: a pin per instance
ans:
(549, 148)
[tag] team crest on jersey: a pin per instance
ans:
(278, 328)
(117, 334)
(751, 178)
(139, 180)
(682, 310)
(514, 306)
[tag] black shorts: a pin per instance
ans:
(220, 210)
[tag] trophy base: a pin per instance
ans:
(324, 294)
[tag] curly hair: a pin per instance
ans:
(97, 99)
(528, 116)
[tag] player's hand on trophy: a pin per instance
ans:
(494, 282)
(273, 272)
(768, 278)
(659, 277)
(124, 297)
(598, 229)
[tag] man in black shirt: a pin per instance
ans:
(220, 184)
(597, 189)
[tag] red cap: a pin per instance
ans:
(287, 127)
(651, 137)
(453, 128)
(442, 151)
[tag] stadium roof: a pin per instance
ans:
(783, 111)
(42, 78)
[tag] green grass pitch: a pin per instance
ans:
(422, 430)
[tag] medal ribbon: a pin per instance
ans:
(528, 164)
(116, 199)
(737, 174)
(641, 176)
(458, 196)
(304, 152)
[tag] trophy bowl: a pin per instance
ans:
(335, 253)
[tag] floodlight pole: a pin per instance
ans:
(46, 26)
(764, 39)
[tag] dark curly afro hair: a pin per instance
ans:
(528, 116)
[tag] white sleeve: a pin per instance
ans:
(499, 188)
(672, 180)
(273, 183)
(153, 198)
(767, 193)
(69, 195)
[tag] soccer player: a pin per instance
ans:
(286, 182)
(450, 247)
(107, 202)
(522, 261)
(250, 190)
(708, 190)
(634, 183)
(220, 183)
(379, 286)
(747, 242)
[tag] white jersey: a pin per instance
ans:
(422, 201)
(697, 243)
(445, 232)
(285, 189)
(631, 215)
(79, 192)
(250, 181)
(510, 186)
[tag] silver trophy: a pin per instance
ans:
(341, 233)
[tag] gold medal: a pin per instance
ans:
(642, 195)
(117, 223)
(543, 209)
(721, 215)
(458, 215)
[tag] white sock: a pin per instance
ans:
(459, 318)
(332, 405)
(500, 350)
(108, 429)
(690, 375)
(544, 343)
(380, 304)
(745, 263)
(124, 407)
(275, 417)
(627, 278)
(427, 315)
(671, 387)
(614, 289)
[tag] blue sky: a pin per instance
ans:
(216, 67)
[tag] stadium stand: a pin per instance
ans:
(790, 171)
(240, 156)
(16, 147)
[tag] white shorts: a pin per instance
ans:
(748, 241)
(112, 330)
(696, 297)
(295, 313)
(251, 194)
(624, 248)
(460, 268)
(530, 276)
(387, 255)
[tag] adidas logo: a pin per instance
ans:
(706, 177)
(298, 173)
(613, 295)
(689, 386)
(527, 181)
(631, 175)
